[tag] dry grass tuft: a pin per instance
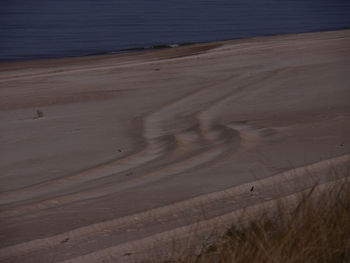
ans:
(316, 230)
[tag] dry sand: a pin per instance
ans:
(133, 146)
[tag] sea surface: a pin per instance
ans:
(37, 29)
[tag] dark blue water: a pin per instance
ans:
(32, 29)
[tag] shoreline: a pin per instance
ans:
(161, 47)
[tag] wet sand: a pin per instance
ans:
(136, 145)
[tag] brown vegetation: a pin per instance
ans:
(317, 230)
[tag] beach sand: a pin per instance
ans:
(100, 153)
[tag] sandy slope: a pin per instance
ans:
(134, 145)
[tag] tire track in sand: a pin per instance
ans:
(156, 146)
(221, 138)
(283, 181)
(154, 131)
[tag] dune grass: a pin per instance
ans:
(317, 229)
